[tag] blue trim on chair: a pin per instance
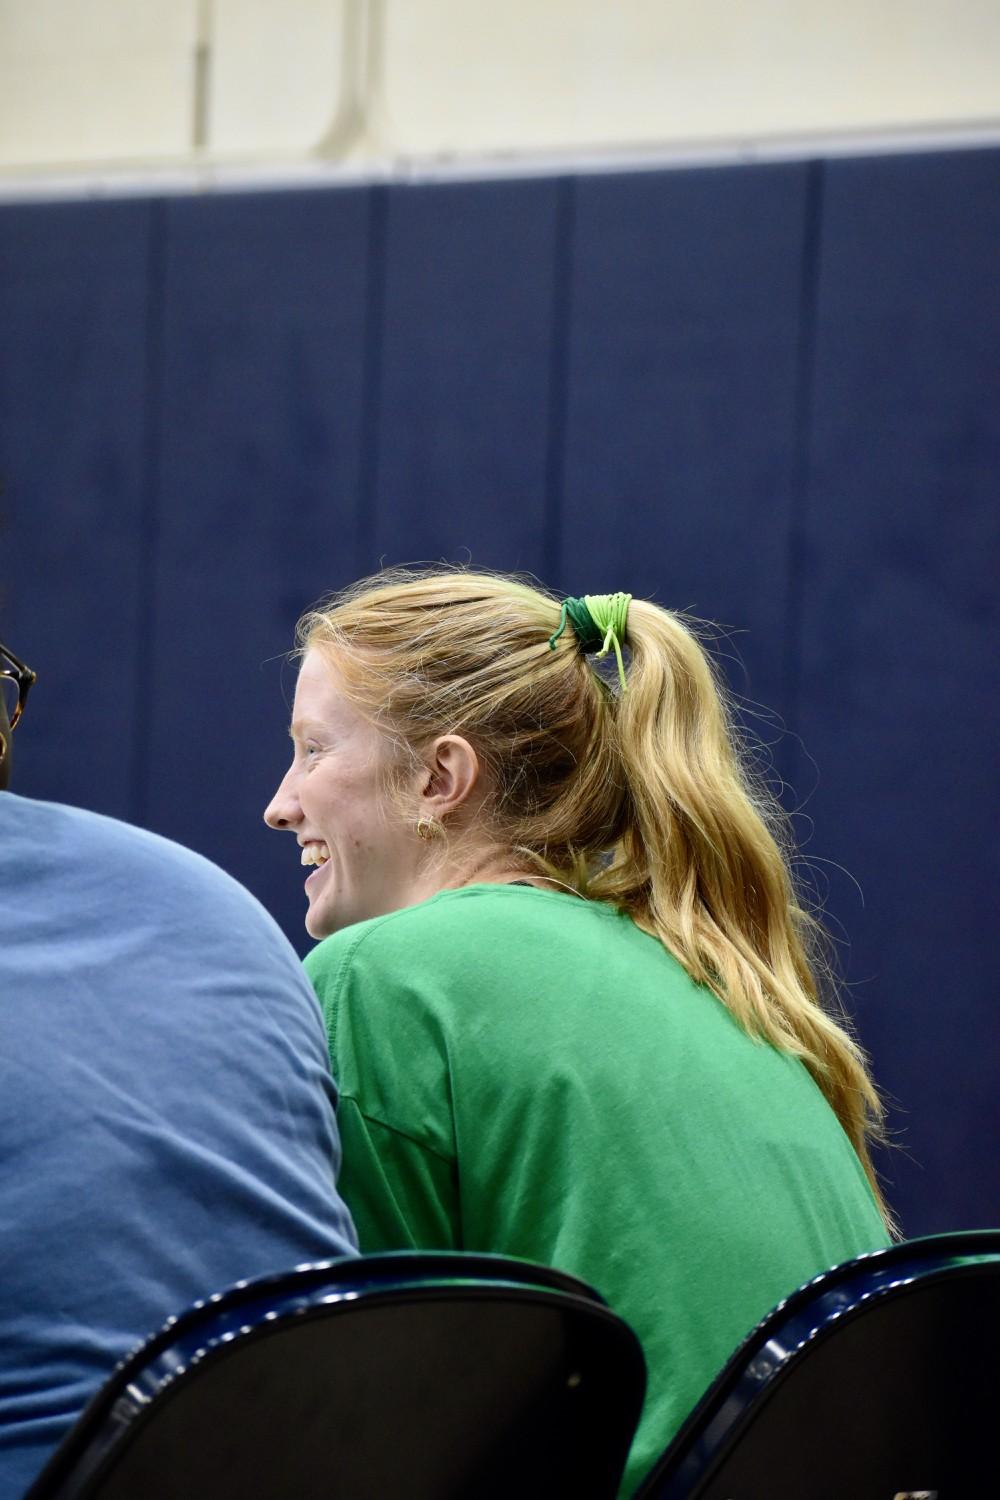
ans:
(809, 1314)
(204, 1330)
(182, 1341)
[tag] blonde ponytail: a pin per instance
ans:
(705, 867)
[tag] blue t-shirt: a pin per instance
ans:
(166, 1109)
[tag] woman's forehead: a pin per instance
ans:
(320, 696)
(318, 682)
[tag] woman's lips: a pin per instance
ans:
(316, 876)
(315, 852)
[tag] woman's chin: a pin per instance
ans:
(320, 922)
(325, 916)
(320, 918)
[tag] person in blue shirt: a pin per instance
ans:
(167, 1119)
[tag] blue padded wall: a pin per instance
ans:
(259, 417)
(683, 363)
(74, 554)
(464, 382)
(767, 394)
(897, 695)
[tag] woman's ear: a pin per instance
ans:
(451, 776)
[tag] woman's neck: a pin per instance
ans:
(498, 868)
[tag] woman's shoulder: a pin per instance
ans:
(383, 941)
(495, 932)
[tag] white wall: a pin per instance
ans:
(112, 81)
(564, 72)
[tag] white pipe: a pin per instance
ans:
(202, 86)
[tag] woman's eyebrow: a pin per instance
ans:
(300, 727)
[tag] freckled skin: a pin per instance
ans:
(332, 793)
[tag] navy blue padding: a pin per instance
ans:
(73, 383)
(464, 388)
(898, 695)
(260, 416)
(681, 400)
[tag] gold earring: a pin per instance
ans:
(428, 829)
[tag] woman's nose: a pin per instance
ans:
(283, 809)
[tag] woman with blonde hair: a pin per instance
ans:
(572, 999)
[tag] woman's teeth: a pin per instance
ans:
(315, 854)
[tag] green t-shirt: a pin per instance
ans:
(525, 1072)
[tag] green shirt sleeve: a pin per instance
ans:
(398, 1175)
(397, 1190)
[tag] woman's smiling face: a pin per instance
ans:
(333, 799)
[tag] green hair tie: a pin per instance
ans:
(598, 621)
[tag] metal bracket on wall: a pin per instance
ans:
(202, 90)
(359, 123)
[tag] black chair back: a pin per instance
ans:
(875, 1381)
(419, 1376)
